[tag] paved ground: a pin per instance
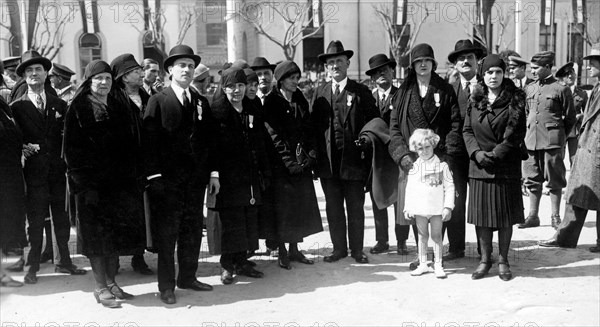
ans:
(552, 287)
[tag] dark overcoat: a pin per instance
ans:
(296, 210)
(12, 188)
(360, 109)
(583, 188)
(99, 151)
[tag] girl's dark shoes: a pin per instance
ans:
(106, 298)
(504, 271)
(482, 270)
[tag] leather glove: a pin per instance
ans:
(406, 163)
(484, 159)
(91, 198)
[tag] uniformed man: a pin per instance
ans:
(60, 77)
(551, 116)
(567, 76)
(516, 69)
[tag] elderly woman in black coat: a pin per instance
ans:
(493, 132)
(296, 210)
(243, 172)
(99, 148)
(12, 187)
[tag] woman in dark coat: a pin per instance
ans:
(12, 187)
(243, 172)
(493, 132)
(296, 210)
(99, 148)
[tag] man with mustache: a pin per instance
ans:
(381, 70)
(340, 109)
(551, 115)
(264, 71)
(464, 57)
(40, 115)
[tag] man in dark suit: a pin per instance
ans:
(264, 71)
(341, 108)
(464, 57)
(40, 117)
(179, 163)
(550, 118)
(381, 70)
(152, 83)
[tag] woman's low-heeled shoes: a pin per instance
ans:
(109, 302)
(284, 262)
(504, 273)
(226, 277)
(249, 271)
(299, 257)
(118, 292)
(481, 271)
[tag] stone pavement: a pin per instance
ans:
(551, 287)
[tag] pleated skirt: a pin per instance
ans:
(495, 203)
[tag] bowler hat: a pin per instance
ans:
(465, 46)
(594, 54)
(422, 51)
(543, 58)
(335, 48)
(378, 61)
(31, 57)
(261, 63)
(123, 64)
(564, 69)
(517, 60)
(11, 62)
(62, 71)
(180, 51)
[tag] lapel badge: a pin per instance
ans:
(57, 114)
(349, 100)
(436, 97)
(199, 109)
(251, 121)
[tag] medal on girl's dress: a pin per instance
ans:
(199, 109)
(436, 97)
(251, 124)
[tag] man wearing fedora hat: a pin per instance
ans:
(264, 71)
(381, 71)
(567, 76)
(60, 77)
(40, 116)
(179, 162)
(340, 109)
(464, 57)
(516, 69)
(551, 116)
(583, 190)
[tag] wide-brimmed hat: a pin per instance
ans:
(31, 57)
(378, 61)
(594, 54)
(180, 51)
(62, 71)
(465, 46)
(123, 64)
(201, 72)
(422, 51)
(261, 63)
(335, 48)
(564, 69)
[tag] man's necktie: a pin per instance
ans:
(337, 91)
(186, 101)
(382, 101)
(40, 103)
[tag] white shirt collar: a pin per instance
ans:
(179, 92)
(342, 84)
(386, 93)
(463, 81)
(33, 97)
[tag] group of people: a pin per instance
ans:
(139, 159)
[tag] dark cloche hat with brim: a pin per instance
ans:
(465, 46)
(378, 61)
(335, 48)
(123, 64)
(262, 63)
(181, 51)
(31, 57)
(564, 69)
